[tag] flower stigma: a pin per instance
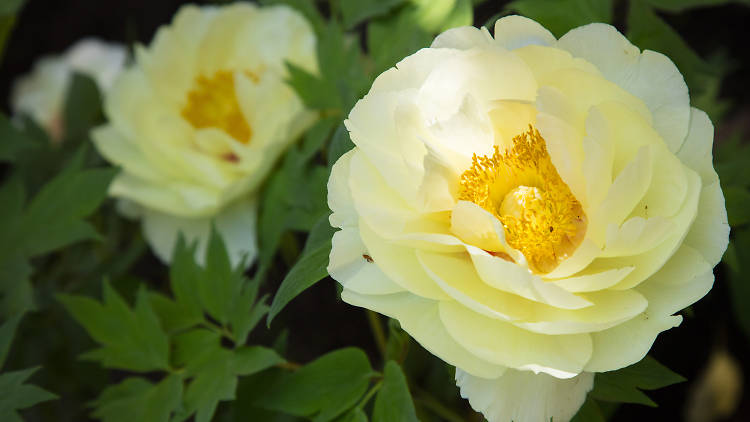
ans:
(212, 102)
(521, 187)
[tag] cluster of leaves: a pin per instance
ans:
(180, 352)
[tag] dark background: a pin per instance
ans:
(317, 321)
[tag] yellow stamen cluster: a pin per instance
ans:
(521, 187)
(213, 103)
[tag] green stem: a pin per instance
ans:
(369, 394)
(222, 331)
(377, 332)
(432, 404)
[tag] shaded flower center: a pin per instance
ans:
(212, 102)
(521, 187)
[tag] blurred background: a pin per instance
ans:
(711, 348)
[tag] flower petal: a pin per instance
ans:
(236, 224)
(650, 76)
(516, 31)
(522, 396)
(419, 317)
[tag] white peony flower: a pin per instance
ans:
(41, 94)
(531, 210)
(201, 117)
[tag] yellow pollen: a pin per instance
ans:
(521, 187)
(213, 103)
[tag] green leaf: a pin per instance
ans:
(136, 399)
(354, 415)
(220, 285)
(340, 144)
(322, 389)
(341, 66)
(739, 252)
(130, 339)
(354, 12)
(682, 5)
(398, 341)
(13, 142)
(8, 11)
(315, 92)
(174, 316)
(196, 349)
(16, 294)
(391, 39)
(738, 205)
(249, 360)
(306, 7)
(624, 385)
(308, 270)
(213, 384)
(7, 332)
(185, 277)
(53, 218)
(83, 107)
(589, 412)
(215, 369)
(15, 395)
(393, 402)
(560, 16)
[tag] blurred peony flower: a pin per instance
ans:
(41, 94)
(531, 210)
(201, 117)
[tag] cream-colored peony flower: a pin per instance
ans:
(531, 210)
(41, 94)
(201, 117)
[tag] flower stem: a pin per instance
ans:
(377, 332)
(369, 394)
(432, 404)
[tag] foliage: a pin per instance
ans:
(185, 341)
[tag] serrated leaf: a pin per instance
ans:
(391, 39)
(624, 385)
(738, 205)
(393, 402)
(174, 316)
(16, 294)
(354, 12)
(354, 415)
(130, 339)
(398, 341)
(16, 395)
(136, 399)
(7, 332)
(213, 384)
(52, 219)
(322, 389)
(589, 412)
(251, 359)
(681, 5)
(196, 349)
(185, 277)
(83, 107)
(560, 16)
(340, 144)
(8, 11)
(739, 250)
(308, 270)
(13, 142)
(306, 7)
(220, 285)
(315, 92)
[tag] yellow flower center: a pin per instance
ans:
(213, 103)
(521, 187)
